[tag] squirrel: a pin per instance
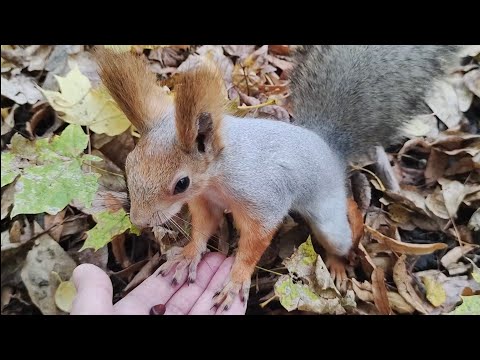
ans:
(344, 100)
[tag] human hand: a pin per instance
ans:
(95, 292)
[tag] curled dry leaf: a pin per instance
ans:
(379, 291)
(404, 248)
(453, 194)
(403, 282)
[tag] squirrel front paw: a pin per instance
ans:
(184, 260)
(223, 299)
(338, 272)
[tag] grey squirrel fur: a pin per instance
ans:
(358, 96)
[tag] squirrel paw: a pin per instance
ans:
(223, 299)
(337, 267)
(184, 261)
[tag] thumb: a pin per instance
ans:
(94, 291)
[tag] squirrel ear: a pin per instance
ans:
(199, 107)
(133, 87)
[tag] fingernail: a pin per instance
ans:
(158, 309)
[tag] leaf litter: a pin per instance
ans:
(414, 213)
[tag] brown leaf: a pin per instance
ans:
(398, 303)
(7, 199)
(168, 56)
(363, 290)
(118, 148)
(404, 248)
(274, 112)
(119, 252)
(361, 190)
(380, 292)
(279, 49)
(436, 165)
(403, 282)
(355, 219)
(436, 204)
(455, 254)
(279, 63)
(55, 224)
(412, 200)
(472, 81)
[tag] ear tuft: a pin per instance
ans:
(199, 108)
(133, 87)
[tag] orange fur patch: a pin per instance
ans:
(199, 91)
(133, 86)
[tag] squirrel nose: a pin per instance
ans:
(139, 221)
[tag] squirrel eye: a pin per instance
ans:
(181, 185)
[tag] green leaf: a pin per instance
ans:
(109, 225)
(469, 306)
(9, 171)
(51, 187)
(51, 174)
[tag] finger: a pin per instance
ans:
(204, 304)
(185, 298)
(152, 291)
(94, 291)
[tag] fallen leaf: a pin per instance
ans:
(404, 286)
(64, 296)
(109, 225)
(20, 89)
(78, 103)
(239, 50)
(45, 257)
(309, 286)
(7, 199)
(398, 303)
(474, 222)
(55, 224)
(470, 306)
(436, 164)
(453, 194)
(52, 177)
(472, 81)
(363, 290)
(435, 202)
(435, 291)
(455, 254)
(444, 103)
(402, 247)
(379, 291)
(279, 49)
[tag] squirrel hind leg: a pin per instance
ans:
(332, 231)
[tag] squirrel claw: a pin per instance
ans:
(184, 266)
(223, 300)
(338, 273)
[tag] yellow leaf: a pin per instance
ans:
(435, 292)
(78, 103)
(65, 295)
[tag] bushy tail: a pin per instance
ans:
(358, 96)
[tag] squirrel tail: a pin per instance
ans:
(359, 96)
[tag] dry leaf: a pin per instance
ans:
(444, 103)
(455, 254)
(435, 291)
(404, 286)
(20, 89)
(436, 165)
(453, 194)
(363, 290)
(404, 248)
(7, 199)
(472, 81)
(64, 296)
(379, 291)
(398, 303)
(474, 222)
(355, 219)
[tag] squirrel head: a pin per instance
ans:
(174, 159)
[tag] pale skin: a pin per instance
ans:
(94, 291)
